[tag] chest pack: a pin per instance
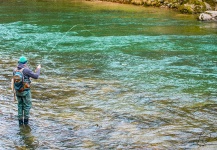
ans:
(19, 81)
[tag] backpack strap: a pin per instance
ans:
(19, 70)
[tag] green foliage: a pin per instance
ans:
(185, 9)
(211, 2)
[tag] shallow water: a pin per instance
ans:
(113, 76)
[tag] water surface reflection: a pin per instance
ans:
(26, 139)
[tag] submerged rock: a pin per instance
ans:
(208, 16)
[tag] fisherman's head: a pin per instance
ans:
(22, 60)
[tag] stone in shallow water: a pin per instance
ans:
(208, 16)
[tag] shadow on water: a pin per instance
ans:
(26, 138)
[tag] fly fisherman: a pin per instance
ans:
(21, 84)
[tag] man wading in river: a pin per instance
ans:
(21, 84)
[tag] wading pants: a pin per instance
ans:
(24, 104)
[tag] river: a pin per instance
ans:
(113, 76)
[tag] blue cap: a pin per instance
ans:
(23, 60)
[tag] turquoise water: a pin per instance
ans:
(113, 76)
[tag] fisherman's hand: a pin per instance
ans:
(39, 67)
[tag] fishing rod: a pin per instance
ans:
(60, 40)
(67, 33)
(63, 37)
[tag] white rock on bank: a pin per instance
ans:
(208, 16)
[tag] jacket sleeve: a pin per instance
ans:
(31, 74)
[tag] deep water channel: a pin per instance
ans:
(113, 76)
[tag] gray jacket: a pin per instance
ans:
(27, 72)
(27, 75)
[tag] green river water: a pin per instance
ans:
(113, 76)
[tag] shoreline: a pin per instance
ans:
(183, 7)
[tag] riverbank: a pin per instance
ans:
(183, 6)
